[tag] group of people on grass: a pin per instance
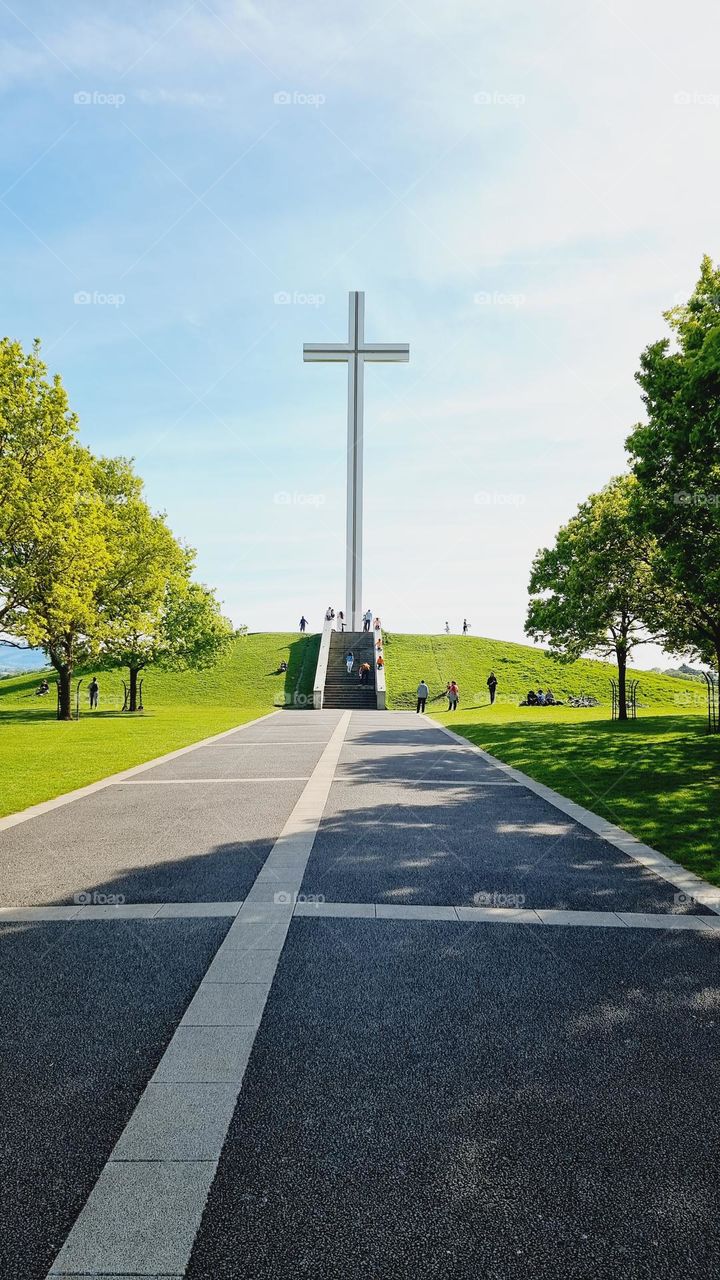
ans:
(93, 691)
(541, 698)
(452, 693)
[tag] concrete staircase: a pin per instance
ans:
(341, 689)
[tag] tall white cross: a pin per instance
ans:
(355, 351)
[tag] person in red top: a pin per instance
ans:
(453, 696)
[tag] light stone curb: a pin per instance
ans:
(686, 881)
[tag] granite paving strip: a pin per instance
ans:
(506, 915)
(146, 1206)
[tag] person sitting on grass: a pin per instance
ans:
(540, 698)
(531, 700)
(42, 689)
(549, 699)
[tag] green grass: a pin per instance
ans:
(518, 667)
(41, 758)
(656, 777)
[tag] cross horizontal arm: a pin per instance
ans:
(397, 351)
(327, 351)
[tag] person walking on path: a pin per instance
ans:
(492, 686)
(466, 626)
(94, 691)
(453, 696)
(367, 619)
(349, 661)
(303, 623)
(422, 696)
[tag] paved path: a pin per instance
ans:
(335, 995)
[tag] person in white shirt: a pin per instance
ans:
(422, 696)
(367, 620)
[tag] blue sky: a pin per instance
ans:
(188, 192)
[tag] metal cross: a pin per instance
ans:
(355, 351)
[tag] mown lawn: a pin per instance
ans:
(41, 758)
(656, 777)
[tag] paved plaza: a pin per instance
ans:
(336, 994)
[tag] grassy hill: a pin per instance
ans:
(518, 667)
(41, 758)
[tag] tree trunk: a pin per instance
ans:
(622, 682)
(65, 682)
(133, 688)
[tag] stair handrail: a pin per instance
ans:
(322, 662)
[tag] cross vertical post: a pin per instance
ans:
(355, 352)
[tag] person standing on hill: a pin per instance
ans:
(422, 696)
(94, 691)
(447, 628)
(492, 686)
(466, 626)
(303, 623)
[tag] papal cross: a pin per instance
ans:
(355, 351)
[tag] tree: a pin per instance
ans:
(592, 590)
(57, 608)
(675, 457)
(37, 475)
(187, 631)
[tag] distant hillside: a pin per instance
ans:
(15, 660)
(518, 667)
(683, 672)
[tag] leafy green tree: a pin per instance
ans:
(37, 476)
(58, 610)
(591, 591)
(187, 631)
(675, 456)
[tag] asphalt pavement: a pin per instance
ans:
(264, 1087)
